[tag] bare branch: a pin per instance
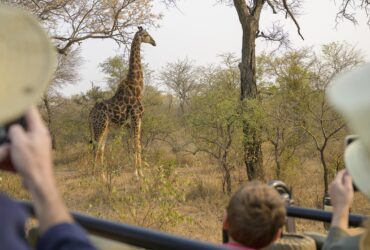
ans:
(290, 14)
(348, 8)
(276, 34)
(70, 22)
(272, 6)
(312, 136)
(336, 130)
(343, 12)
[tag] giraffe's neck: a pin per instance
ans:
(135, 73)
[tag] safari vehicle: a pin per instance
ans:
(114, 236)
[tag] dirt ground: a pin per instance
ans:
(199, 210)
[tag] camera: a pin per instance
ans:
(5, 128)
(347, 141)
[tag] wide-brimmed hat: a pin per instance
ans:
(27, 62)
(349, 94)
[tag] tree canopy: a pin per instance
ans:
(71, 22)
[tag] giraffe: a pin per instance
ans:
(124, 105)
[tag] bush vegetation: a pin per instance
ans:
(192, 141)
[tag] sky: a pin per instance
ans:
(202, 30)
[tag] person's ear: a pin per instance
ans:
(225, 223)
(278, 234)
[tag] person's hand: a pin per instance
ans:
(341, 195)
(30, 154)
(30, 151)
(341, 191)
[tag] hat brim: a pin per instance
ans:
(27, 62)
(357, 162)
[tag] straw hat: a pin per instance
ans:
(27, 62)
(349, 93)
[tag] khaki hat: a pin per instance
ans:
(349, 94)
(27, 62)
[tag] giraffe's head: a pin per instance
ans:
(145, 37)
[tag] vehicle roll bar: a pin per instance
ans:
(133, 235)
(151, 239)
(354, 220)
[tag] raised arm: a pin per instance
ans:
(30, 155)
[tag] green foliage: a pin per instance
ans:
(71, 124)
(182, 80)
(214, 121)
(291, 115)
(155, 203)
(282, 104)
(295, 109)
(115, 68)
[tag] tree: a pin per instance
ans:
(286, 82)
(278, 129)
(71, 22)
(181, 79)
(249, 13)
(321, 122)
(66, 73)
(213, 121)
(296, 104)
(158, 122)
(115, 68)
(93, 95)
(348, 8)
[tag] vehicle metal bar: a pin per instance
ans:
(133, 235)
(355, 220)
(151, 239)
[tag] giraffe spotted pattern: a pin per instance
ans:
(124, 106)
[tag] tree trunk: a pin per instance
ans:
(249, 17)
(228, 182)
(248, 87)
(226, 178)
(277, 161)
(182, 107)
(325, 168)
(49, 120)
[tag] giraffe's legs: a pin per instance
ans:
(99, 130)
(101, 143)
(95, 146)
(137, 141)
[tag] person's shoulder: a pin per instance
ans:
(344, 243)
(348, 243)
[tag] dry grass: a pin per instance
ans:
(193, 191)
